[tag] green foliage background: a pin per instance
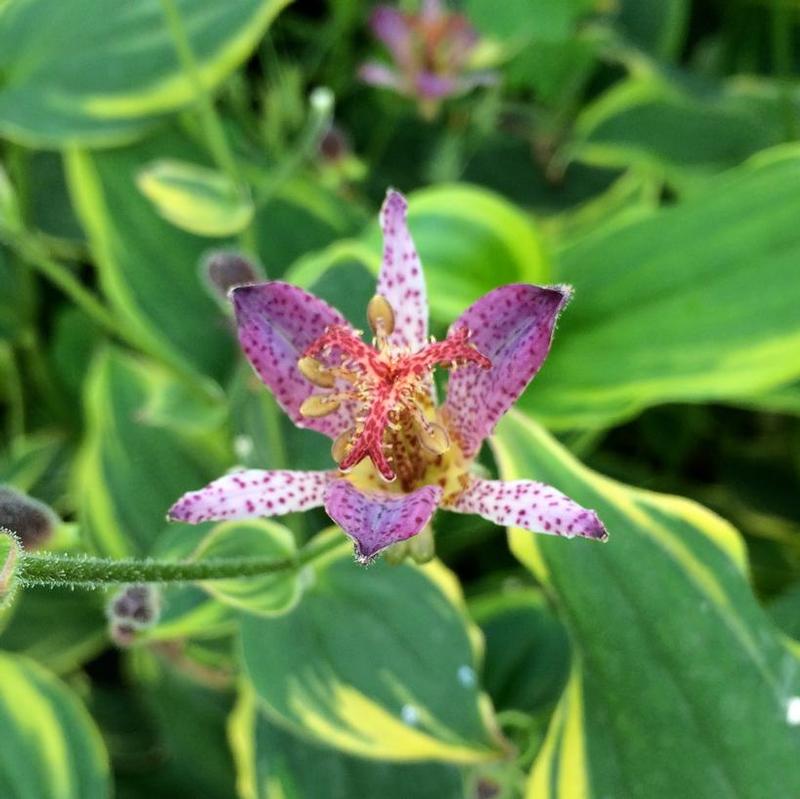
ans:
(646, 152)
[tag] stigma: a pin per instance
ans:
(389, 390)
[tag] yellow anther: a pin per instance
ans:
(380, 316)
(433, 437)
(315, 372)
(341, 445)
(318, 405)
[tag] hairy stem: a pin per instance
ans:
(89, 572)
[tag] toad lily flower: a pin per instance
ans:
(399, 454)
(431, 51)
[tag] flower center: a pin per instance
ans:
(397, 425)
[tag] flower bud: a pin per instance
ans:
(422, 547)
(132, 610)
(224, 270)
(9, 559)
(31, 520)
(396, 553)
(10, 217)
(380, 316)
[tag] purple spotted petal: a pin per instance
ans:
(277, 322)
(513, 326)
(376, 74)
(376, 520)
(392, 28)
(530, 505)
(431, 86)
(250, 493)
(401, 279)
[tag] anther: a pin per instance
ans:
(341, 445)
(318, 405)
(315, 372)
(380, 316)
(434, 438)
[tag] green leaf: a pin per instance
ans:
(148, 269)
(546, 20)
(458, 229)
(58, 627)
(658, 26)
(681, 684)
(102, 73)
(693, 303)
(269, 595)
(179, 711)
(377, 662)
(527, 650)
(50, 744)
(196, 199)
(669, 130)
(130, 472)
(272, 762)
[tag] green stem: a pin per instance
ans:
(320, 113)
(212, 125)
(88, 572)
(782, 32)
(16, 398)
(213, 129)
(67, 282)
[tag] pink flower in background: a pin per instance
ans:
(399, 454)
(431, 51)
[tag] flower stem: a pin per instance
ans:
(90, 572)
(212, 125)
(321, 103)
(30, 252)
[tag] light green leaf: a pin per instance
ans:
(458, 230)
(148, 269)
(51, 747)
(99, 72)
(129, 472)
(269, 595)
(196, 199)
(377, 662)
(681, 683)
(712, 283)
(272, 762)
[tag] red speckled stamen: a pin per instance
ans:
(387, 385)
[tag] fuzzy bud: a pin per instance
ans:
(132, 610)
(31, 520)
(9, 559)
(224, 270)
